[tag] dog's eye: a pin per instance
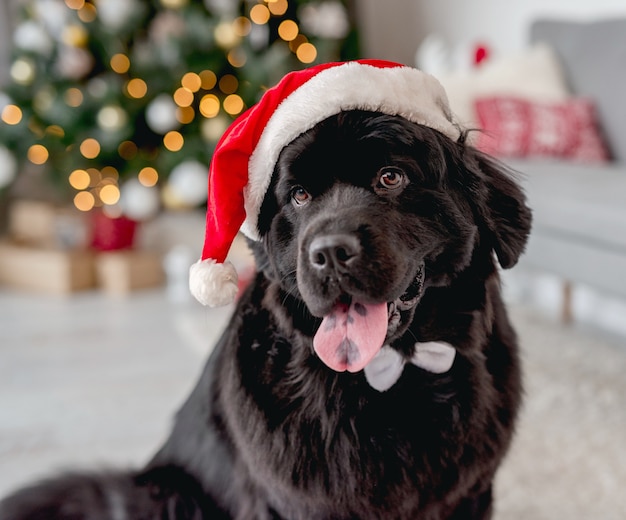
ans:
(300, 196)
(391, 178)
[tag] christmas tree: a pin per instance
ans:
(121, 102)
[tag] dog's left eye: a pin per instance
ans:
(391, 178)
(300, 196)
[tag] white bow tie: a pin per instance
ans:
(385, 369)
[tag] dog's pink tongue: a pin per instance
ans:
(350, 336)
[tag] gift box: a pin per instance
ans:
(52, 271)
(119, 272)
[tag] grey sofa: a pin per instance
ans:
(579, 230)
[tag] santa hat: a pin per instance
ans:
(244, 158)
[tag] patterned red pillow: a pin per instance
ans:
(515, 127)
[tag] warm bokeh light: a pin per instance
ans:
(90, 148)
(120, 63)
(237, 57)
(127, 150)
(84, 201)
(288, 30)
(209, 105)
(136, 88)
(23, 71)
(191, 81)
(75, 4)
(109, 172)
(306, 53)
(233, 104)
(228, 84)
(55, 130)
(173, 141)
(110, 194)
(94, 176)
(183, 97)
(38, 154)
(278, 8)
(297, 41)
(209, 79)
(87, 13)
(242, 26)
(73, 97)
(11, 114)
(259, 14)
(79, 179)
(148, 176)
(75, 36)
(185, 115)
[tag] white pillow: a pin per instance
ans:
(533, 74)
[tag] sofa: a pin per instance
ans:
(556, 113)
(579, 230)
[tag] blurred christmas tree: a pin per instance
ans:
(122, 101)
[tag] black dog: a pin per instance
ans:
(372, 226)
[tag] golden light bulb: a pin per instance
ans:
(84, 201)
(233, 104)
(120, 63)
(79, 179)
(288, 30)
(260, 14)
(11, 114)
(148, 176)
(209, 105)
(137, 88)
(90, 148)
(173, 141)
(306, 53)
(38, 154)
(109, 194)
(191, 81)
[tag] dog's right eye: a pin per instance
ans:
(300, 196)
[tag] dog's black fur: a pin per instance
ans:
(270, 431)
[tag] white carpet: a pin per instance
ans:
(568, 460)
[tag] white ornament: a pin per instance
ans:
(325, 19)
(8, 167)
(161, 114)
(32, 37)
(188, 182)
(54, 15)
(73, 62)
(114, 13)
(139, 202)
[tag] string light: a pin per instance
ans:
(110, 173)
(73, 97)
(228, 84)
(288, 30)
(209, 105)
(260, 14)
(38, 154)
(23, 71)
(84, 201)
(136, 88)
(278, 8)
(90, 148)
(237, 58)
(242, 26)
(109, 194)
(183, 97)
(87, 13)
(11, 114)
(306, 53)
(120, 63)
(55, 130)
(79, 179)
(173, 141)
(127, 150)
(209, 79)
(148, 176)
(233, 104)
(185, 115)
(191, 81)
(75, 4)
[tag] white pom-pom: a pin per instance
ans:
(213, 284)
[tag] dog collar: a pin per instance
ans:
(387, 366)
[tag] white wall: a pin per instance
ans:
(393, 29)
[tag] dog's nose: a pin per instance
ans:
(334, 252)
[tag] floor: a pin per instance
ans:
(94, 380)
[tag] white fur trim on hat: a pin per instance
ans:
(213, 284)
(403, 91)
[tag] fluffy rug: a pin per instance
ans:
(568, 460)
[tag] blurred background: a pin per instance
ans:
(109, 113)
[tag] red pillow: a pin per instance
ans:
(515, 127)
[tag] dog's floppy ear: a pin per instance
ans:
(503, 209)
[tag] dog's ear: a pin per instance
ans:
(502, 208)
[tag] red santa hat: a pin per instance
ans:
(244, 158)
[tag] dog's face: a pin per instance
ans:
(366, 211)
